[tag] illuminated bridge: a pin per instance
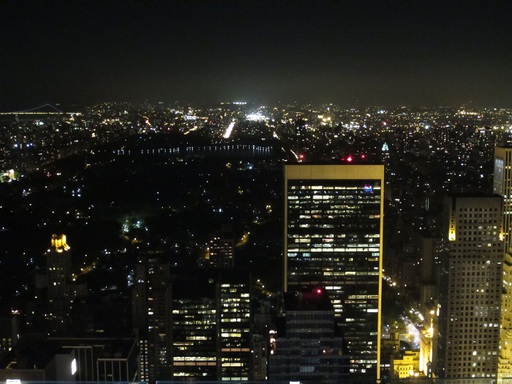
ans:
(46, 110)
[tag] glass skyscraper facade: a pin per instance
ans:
(333, 238)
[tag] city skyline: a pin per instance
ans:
(143, 200)
(350, 52)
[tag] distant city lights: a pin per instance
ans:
(256, 117)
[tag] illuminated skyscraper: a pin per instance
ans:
(333, 238)
(469, 320)
(235, 328)
(194, 325)
(502, 186)
(210, 327)
(61, 289)
(59, 267)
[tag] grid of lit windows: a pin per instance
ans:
(194, 323)
(471, 311)
(502, 185)
(333, 238)
(235, 331)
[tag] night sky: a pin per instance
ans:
(437, 52)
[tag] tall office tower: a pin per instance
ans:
(211, 336)
(194, 330)
(235, 328)
(333, 238)
(222, 248)
(151, 296)
(502, 185)
(140, 316)
(58, 266)
(469, 319)
(158, 340)
(300, 134)
(61, 290)
(309, 348)
(158, 322)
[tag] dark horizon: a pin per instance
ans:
(418, 53)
